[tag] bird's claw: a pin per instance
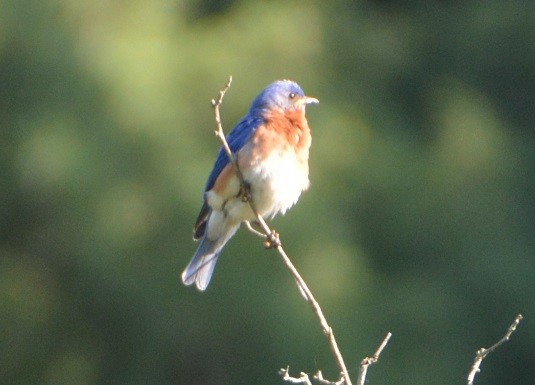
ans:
(272, 240)
(245, 192)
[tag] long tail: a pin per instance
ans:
(201, 266)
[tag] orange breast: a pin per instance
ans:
(284, 131)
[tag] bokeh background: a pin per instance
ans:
(419, 219)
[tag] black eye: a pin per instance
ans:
(291, 95)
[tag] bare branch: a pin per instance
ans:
(371, 360)
(319, 378)
(285, 374)
(272, 240)
(219, 131)
(482, 353)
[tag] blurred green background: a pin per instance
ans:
(419, 219)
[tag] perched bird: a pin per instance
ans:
(271, 144)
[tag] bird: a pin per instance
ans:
(271, 145)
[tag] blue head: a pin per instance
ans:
(283, 94)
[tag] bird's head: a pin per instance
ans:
(283, 94)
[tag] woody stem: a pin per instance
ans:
(269, 233)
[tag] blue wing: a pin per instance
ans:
(236, 140)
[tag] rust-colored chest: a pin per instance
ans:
(285, 131)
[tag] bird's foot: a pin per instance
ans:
(245, 192)
(272, 240)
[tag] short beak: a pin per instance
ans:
(309, 100)
(306, 100)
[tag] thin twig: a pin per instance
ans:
(303, 379)
(482, 353)
(219, 131)
(273, 241)
(327, 330)
(371, 360)
(319, 378)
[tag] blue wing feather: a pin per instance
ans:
(236, 140)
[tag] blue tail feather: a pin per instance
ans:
(201, 266)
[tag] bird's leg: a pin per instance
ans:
(250, 227)
(258, 226)
(272, 240)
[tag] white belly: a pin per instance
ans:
(277, 182)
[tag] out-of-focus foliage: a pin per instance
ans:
(419, 220)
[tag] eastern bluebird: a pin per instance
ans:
(271, 144)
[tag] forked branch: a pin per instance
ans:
(272, 241)
(482, 353)
(371, 360)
